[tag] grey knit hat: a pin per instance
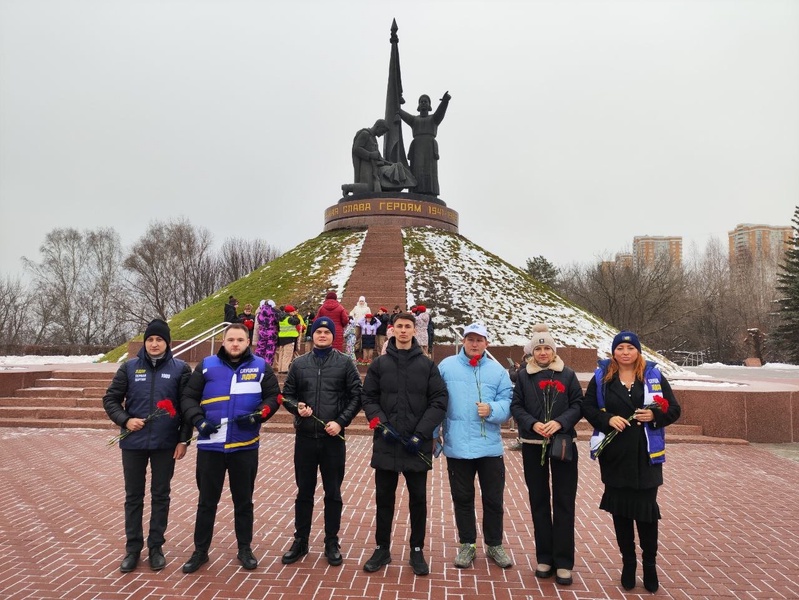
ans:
(542, 337)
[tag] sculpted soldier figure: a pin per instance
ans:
(366, 158)
(371, 170)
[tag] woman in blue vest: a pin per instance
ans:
(621, 398)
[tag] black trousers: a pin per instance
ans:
(385, 496)
(491, 472)
(242, 468)
(328, 455)
(553, 515)
(134, 469)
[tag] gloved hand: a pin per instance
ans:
(249, 421)
(206, 427)
(414, 444)
(389, 434)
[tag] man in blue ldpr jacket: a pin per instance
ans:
(225, 399)
(480, 392)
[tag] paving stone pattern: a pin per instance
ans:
(730, 530)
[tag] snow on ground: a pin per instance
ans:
(10, 362)
(779, 366)
(349, 257)
(481, 286)
(711, 383)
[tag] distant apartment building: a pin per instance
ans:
(757, 242)
(647, 249)
(622, 259)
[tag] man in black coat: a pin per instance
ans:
(403, 392)
(323, 392)
(231, 309)
(138, 386)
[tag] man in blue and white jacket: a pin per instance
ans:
(480, 393)
(224, 399)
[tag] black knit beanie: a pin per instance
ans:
(159, 328)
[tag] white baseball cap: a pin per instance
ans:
(477, 328)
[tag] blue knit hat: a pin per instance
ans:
(625, 337)
(325, 322)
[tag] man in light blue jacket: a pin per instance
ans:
(479, 402)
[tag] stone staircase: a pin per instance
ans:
(73, 399)
(62, 400)
(379, 274)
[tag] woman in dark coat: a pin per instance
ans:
(539, 417)
(628, 396)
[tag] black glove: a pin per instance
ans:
(206, 427)
(389, 434)
(249, 421)
(414, 444)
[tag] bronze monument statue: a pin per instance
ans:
(391, 172)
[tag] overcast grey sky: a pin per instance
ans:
(573, 126)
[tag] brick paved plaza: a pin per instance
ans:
(730, 530)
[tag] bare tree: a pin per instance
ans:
(239, 257)
(170, 268)
(710, 329)
(75, 283)
(648, 299)
(106, 323)
(13, 310)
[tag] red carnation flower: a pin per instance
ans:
(560, 387)
(374, 423)
(265, 412)
(279, 399)
(662, 403)
(167, 406)
(474, 360)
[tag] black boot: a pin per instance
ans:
(628, 575)
(418, 563)
(648, 537)
(333, 553)
(129, 562)
(380, 557)
(625, 537)
(651, 578)
(298, 549)
(156, 558)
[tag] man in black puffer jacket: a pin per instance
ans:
(405, 398)
(323, 392)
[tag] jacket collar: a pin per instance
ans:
(392, 349)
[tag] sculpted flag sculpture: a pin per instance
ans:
(391, 172)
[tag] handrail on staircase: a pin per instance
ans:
(198, 339)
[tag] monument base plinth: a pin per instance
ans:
(395, 209)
